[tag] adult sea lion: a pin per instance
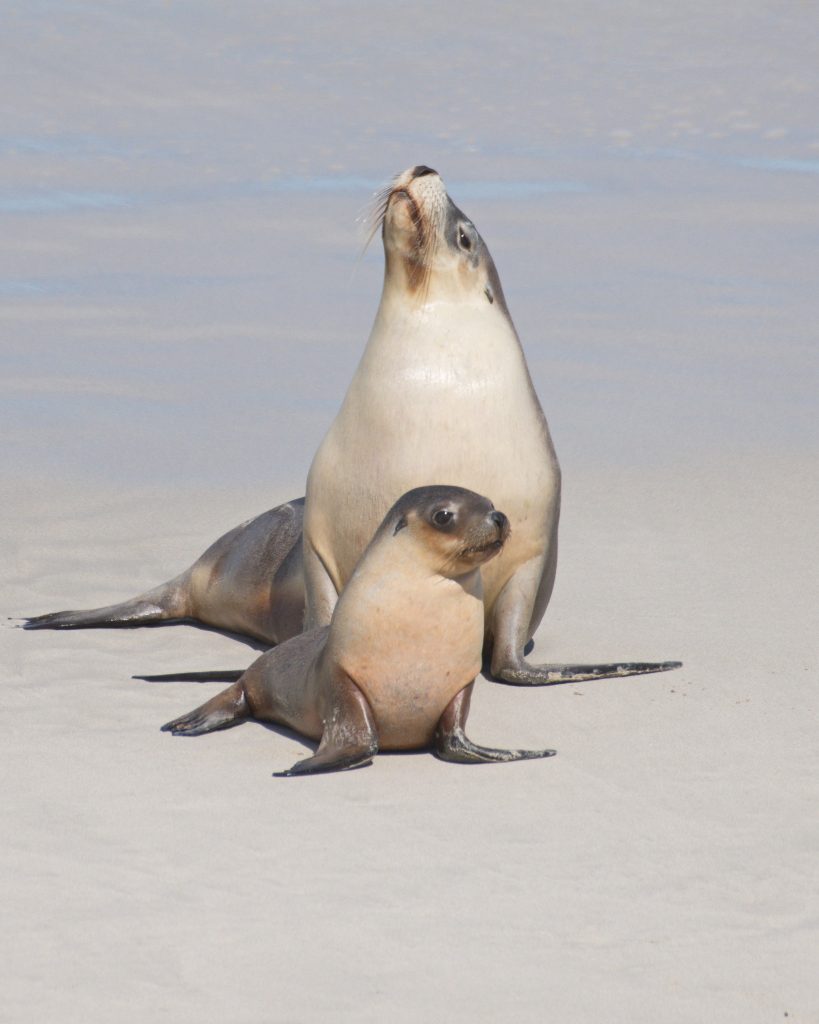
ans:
(394, 670)
(442, 394)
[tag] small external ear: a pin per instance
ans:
(402, 522)
(488, 293)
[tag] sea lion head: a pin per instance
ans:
(432, 249)
(454, 530)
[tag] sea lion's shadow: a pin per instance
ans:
(284, 732)
(242, 638)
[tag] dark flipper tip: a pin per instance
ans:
(176, 728)
(38, 622)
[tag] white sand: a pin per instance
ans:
(174, 182)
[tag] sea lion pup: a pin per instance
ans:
(394, 670)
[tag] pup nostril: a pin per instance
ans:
(499, 519)
(421, 170)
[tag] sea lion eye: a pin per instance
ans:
(442, 517)
(464, 240)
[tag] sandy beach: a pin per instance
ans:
(183, 300)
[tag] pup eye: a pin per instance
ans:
(464, 240)
(442, 517)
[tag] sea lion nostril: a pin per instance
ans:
(421, 170)
(499, 519)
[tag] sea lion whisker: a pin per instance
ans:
(433, 241)
(426, 249)
(372, 216)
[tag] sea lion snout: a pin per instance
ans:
(485, 537)
(502, 523)
(412, 174)
(502, 530)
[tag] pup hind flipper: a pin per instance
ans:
(226, 709)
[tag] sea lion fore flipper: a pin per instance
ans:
(514, 619)
(349, 740)
(451, 743)
(319, 583)
(525, 674)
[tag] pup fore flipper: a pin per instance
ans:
(451, 744)
(349, 739)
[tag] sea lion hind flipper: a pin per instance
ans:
(451, 743)
(349, 739)
(226, 709)
(164, 602)
(524, 674)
